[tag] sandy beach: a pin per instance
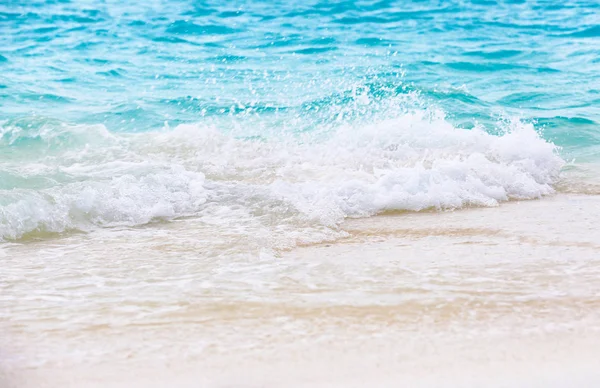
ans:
(314, 194)
(505, 296)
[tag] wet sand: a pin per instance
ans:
(506, 296)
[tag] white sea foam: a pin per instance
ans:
(312, 181)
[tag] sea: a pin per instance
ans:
(282, 193)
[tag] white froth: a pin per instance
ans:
(412, 162)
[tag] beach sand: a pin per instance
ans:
(499, 297)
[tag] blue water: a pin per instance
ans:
(122, 113)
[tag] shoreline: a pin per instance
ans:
(501, 296)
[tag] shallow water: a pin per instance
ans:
(505, 296)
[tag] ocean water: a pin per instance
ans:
(282, 113)
(168, 151)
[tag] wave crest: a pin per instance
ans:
(309, 180)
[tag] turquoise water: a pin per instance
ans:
(254, 114)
